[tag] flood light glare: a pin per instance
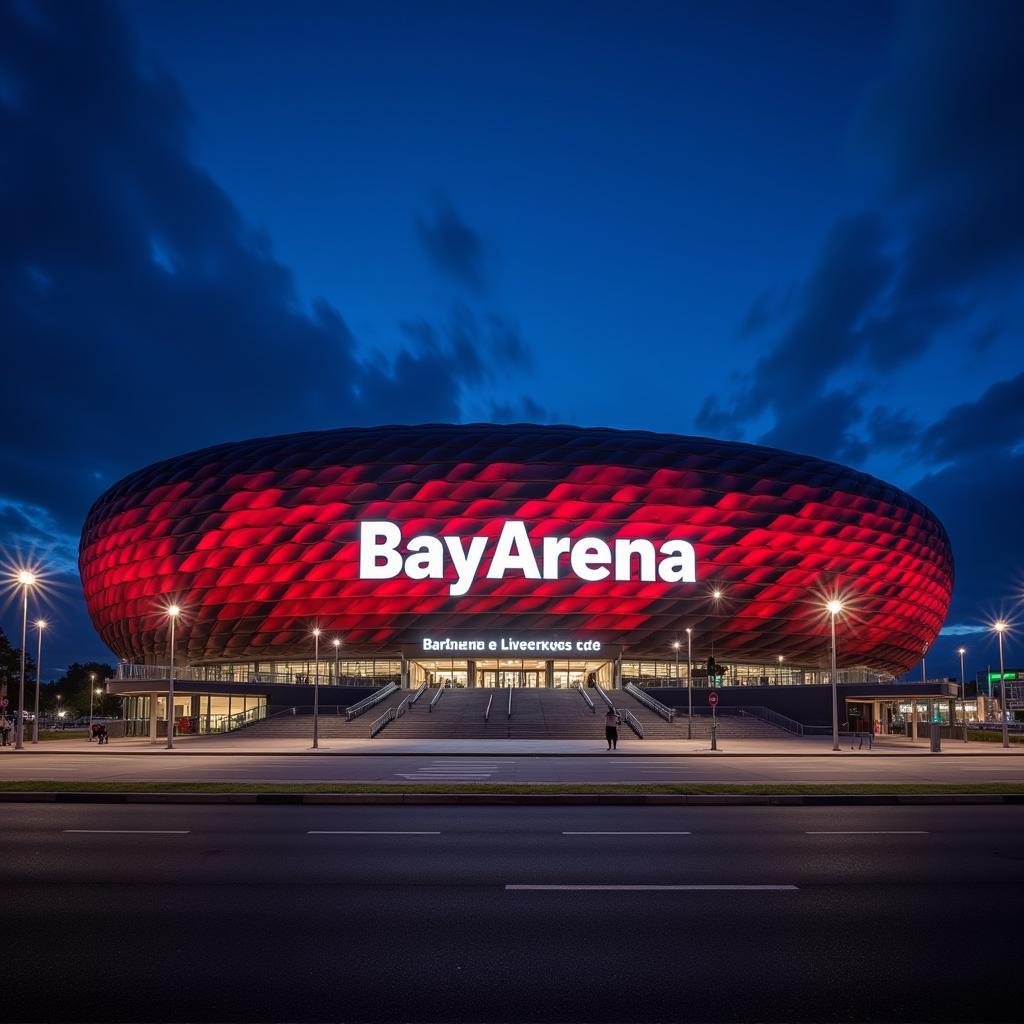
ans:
(174, 611)
(26, 578)
(834, 607)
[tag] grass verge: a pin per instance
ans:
(759, 789)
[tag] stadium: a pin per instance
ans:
(484, 556)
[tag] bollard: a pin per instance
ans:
(714, 737)
(936, 738)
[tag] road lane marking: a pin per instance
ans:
(870, 832)
(131, 831)
(437, 777)
(365, 832)
(652, 888)
(627, 833)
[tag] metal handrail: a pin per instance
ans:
(378, 725)
(368, 702)
(487, 712)
(437, 696)
(633, 722)
(766, 715)
(586, 696)
(509, 715)
(648, 701)
(402, 708)
(604, 697)
(419, 693)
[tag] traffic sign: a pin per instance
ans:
(712, 698)
(4, 702)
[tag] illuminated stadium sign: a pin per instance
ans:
(590, 558)
(508, 645)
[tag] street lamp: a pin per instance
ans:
(26, 580)
(778, 678)
(963, 690)
(92, 690)
(40, 626)
(675, 647)
(689, 683)
(834, 608)
(337, 647)
(716, 594)
(1000, 628)
(173, 611)
(316, 687)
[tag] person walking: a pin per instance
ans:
(611, 728)
(5, 731)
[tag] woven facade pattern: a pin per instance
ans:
(258, 541)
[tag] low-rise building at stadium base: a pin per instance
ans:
(222, 698)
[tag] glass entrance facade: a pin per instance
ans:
(516, 673)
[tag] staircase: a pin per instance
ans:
(284, 725)
(537, 714)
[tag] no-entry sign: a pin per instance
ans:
(712, 698)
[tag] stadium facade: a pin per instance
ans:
(483, 555)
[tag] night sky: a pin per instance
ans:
(794, 223)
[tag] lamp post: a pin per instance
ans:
(778, 679)
(26, 580)
(92, 692)
(689, 683)
(834, 607)
(675, 647)
(316, 687)
(40, 626)
(337, 647)
(717, 595)
(60, 713)
(173, 611)
(1000, 628)
(963, 691)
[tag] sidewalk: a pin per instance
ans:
(241, 745)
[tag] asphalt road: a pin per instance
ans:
(509, 768)
(377, 913)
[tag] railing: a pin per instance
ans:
(790, 725)
(487, 712)
(419, 693)
(774, 718)
(648, 701)
(585, 696)
(604, 696)
(368, 702)
(509, 715)
(243, 675)
(379, 723)
(633, 722)
(437, 696)
(239, 720)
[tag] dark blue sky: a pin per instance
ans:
(794, 223)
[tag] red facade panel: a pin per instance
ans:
(259, 542)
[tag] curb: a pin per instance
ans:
(529, 799)
(492, 752)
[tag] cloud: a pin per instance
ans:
(523, 410)
(142, 311)
(143, 316)
(453, 247)
(992, 423)
(941, 131)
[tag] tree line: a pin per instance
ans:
(69, 693)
